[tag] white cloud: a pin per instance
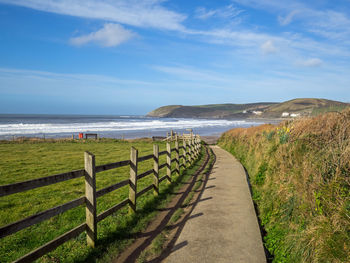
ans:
(232, 37)
(324, 22)
(250, 39)
(202, 13)
(140, 13)
(330, 24)
(288, 18)
(229, 11)
(110, 35)
(268, 47)
(271, 5)
(312, 62)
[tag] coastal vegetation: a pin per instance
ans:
(299, 171)
(302, 107)
(29, 159)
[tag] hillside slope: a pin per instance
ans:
(297, 107)
(299, 172)
(305, 107)
(208, 111)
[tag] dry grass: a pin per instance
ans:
(300, 172)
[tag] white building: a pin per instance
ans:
(294, 115)
(257, 112)
(285, 114)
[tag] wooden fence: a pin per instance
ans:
(172, 136)
(190, 151)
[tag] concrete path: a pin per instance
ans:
(227, 230)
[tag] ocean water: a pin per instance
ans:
(60, 126)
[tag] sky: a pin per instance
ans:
(132, 56)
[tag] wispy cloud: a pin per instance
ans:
(239, 38)
(153, 14)
(334, 25)
(108, 36)
(229, 11)
(286, 20)
(140, 13)
(289, 45)
(330, 24)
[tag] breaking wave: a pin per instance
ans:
(115, 126)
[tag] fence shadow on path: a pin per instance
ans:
(164, 217)
(171, 247)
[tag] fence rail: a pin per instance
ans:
(190, 151)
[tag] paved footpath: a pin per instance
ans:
(227, 229)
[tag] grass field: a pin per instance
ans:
(33, 159)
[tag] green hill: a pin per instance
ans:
(305, 107)
(298, 107)
(209, 111)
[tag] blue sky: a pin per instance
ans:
(131, 56)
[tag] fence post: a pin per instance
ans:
(184, 160)
(192, 146)
(194, 149)
(198, 145)
(195, 146)
(168, 161)
(177, 155)
(133, 180)
(156, 169)
(90, 197)
(189, 152)
(191, 149)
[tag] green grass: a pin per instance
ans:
(335, 108)
(28, 160)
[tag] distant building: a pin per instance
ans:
(257, 112)
(285, 114)
(294, 115)
(244, 111)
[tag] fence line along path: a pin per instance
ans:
(190, 152)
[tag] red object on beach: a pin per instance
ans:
(81, 135)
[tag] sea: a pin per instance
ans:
(119, 126)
